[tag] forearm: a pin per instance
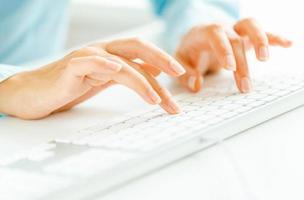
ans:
(6, 96)
(19, 90)
(6, 87)
(11, 100)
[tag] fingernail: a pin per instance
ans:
(230, 63)
(246, 85)
(192, 82)
(114, 67)
(173, 107)
(177, 68)
(263, 53)
(155, 99)
(288, 43)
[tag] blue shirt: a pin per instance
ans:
(31, 29)
(181, 15)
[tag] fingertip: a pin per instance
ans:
(279, 40)
(288, 43)
(284, 43)
(171, 107)
(176, 68)
(153, 98)
(263, 53)
(246, 85)
(230, 63)
(194, 83)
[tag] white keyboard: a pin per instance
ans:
(153, 129)
(144, 141)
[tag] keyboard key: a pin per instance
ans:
(207, 108)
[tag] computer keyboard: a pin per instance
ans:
(152, 129)
(140, 142)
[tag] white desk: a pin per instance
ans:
(265, 162)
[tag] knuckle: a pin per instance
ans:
(225, 51)
(70, 68)
(167, 62)
(236, 41)
(157, 73)
(72, 54)
(162, 91)
(165, 93)
(262, 43)
(137, 41)
(197, 29)
(95, 58)
(146, 87)
(89, 50)
(248, 20)
(215, 28)
(262, 40)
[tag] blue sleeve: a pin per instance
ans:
(180, 15)
(31, 29)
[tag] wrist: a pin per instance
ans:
(7, 88)
(14, 95)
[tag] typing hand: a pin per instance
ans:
(206, 49)
(83, 73)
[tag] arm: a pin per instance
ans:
(181, 16)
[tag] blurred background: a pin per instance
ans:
(96, 19)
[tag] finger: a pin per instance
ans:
(167, 101)
(154, 71)
(192, 79)
(257, 36)
(241, 75)
(277, 40)
(137, 49)
(84, 66)
(221, 46)
(129, 77)
(87, 95)
(150, 69)
(208, 63)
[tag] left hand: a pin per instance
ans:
(85, 72)
(208, 48)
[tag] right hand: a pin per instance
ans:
(80, 75)
(207, 48)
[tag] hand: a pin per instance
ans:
(83, 73)
(206, 49)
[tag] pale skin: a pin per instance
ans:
(208, 48)
(65, 83)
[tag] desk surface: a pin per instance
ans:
(265, 162)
